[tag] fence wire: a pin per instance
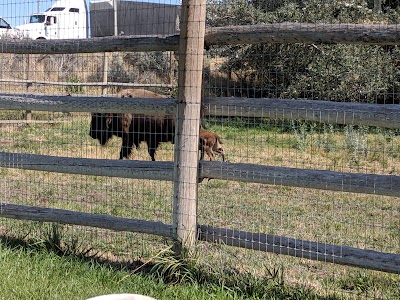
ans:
(338, 73)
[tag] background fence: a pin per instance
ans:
(305, 177)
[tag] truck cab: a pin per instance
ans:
(6, 30)
(65, 19)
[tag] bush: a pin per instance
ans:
(73, 89)
(348, 73)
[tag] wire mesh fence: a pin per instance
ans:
(309, 71)
(330, 214)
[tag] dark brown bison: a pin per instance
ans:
(152, 129)
(133, 129)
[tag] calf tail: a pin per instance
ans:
(219, 138)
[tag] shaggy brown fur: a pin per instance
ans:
(210, 142)
(138, 93)
(134, 128)
(126, 118)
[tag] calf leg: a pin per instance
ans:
(210, 153)
(207, 149)
(201, 147)
(221, 152)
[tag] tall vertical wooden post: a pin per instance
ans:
(105, 73)
(191, 48)
(171, 67)
(378, 6)
(28, 113)
(115, 6)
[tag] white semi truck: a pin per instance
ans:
(68, 19)
(6, 30)
(65, 19)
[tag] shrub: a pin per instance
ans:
(73, 89)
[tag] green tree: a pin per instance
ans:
(326, 72)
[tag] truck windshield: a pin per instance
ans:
(57, 8)
(4, 24)
(37, 19)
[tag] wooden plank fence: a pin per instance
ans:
(387, 185)
(325, 252)
(344, 113)
(321, 111)
(29, 82)
(362, 114)
(363, 34)
(62, 216)
(370, 259)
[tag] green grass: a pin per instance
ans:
(31, 274)
(33, 271)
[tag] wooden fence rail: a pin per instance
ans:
(388, 185)
(63, 216)
(100, 84)
(93, 45)
(306, 33)
(88, 104)
(316, 179)
(380, 115)
(160, 170)
(388, 262)
(345, 113)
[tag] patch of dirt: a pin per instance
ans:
(7, 143)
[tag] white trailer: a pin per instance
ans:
(65, 19)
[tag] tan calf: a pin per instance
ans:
(210, 142)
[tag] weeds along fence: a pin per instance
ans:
(186, 171)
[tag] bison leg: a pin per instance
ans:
(152, 147)
(126, 147)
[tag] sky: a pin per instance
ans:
(17, 12)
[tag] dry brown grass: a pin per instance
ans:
(365, 221)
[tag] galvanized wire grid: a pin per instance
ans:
(339, 73)
(66, 134)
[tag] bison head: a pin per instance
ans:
(101, 127)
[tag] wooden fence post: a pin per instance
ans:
(105, 74)
(28, 113)
(191, 48)
(378, 6)
(171, 67)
